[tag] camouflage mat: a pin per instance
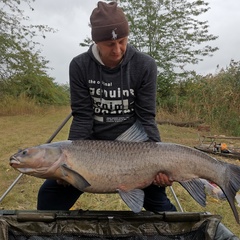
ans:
(118, 225)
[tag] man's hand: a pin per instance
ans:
(162, 180)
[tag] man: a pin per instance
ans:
(113, 97)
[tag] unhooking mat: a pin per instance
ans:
(117, 225)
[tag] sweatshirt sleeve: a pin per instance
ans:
(145, 105)
(81, 104)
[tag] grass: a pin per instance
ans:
(22, 131)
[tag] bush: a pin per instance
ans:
(213, 98)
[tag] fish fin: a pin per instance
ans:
(196, 189)
(74, 178)
(133, 198)
(135, 133)
(232, 186)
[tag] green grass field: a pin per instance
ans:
(18, 132)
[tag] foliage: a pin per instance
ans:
(214, 98)
(86, 42)
(22, 68)
(33, 82)
(16, 37)
(39, 88)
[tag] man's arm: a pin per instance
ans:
(145, 103)
(81, 104)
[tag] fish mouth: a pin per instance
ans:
(14, 162)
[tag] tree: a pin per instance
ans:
(171, 32)
(22, 68)
(32, 81)
(17, 38)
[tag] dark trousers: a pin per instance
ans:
(53, 196)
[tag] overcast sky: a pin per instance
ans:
(71, 19)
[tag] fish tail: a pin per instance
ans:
(232, 186)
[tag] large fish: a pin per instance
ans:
(127, 167)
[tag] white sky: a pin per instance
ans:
(71, 19)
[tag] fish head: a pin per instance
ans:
(36, 161)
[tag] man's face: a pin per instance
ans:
(112, 51)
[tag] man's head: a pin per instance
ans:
(108, 22)
(110, 32)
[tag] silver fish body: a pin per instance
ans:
(127, 167)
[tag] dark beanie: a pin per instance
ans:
(108, 22)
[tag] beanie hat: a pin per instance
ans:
(108, 22)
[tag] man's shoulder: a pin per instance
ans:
(81, 56)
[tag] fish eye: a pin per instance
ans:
(24, 152)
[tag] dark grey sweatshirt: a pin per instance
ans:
(106, 102)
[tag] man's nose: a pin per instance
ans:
(117, 48)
